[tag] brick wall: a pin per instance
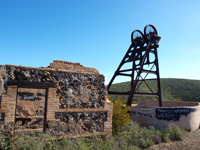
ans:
(8, 104)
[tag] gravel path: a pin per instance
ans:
(191, 141)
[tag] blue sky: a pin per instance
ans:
(96, 33)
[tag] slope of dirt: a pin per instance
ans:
(191, 141)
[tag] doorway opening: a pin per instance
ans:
(31, 106)
(30, 110)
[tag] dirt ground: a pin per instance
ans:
(191, 141)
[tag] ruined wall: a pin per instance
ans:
(84, 89)
(74, 123)
(77, 104)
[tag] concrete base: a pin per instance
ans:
(184, 114)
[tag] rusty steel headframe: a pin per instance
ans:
(138, 54)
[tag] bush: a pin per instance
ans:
(6, 139)
(130, 136)
(175, 133)
(32, 142)
(120, 115)
(165, 135)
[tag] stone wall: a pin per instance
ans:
(72, 123)
(84, 89)
(78, 103)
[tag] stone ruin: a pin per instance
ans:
(63, 99)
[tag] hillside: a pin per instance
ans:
(171, 89)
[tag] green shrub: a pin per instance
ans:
(31, 142)
(130, 136)
(165, 135)
(104, 142)
(63, 144)
(175, 133)
(82, 143)
(6, 139)
(120, 115)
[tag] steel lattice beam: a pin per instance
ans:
(139, 55)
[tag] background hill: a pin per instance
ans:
(171, 89)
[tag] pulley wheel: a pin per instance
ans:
(150, 30)
(137, 36)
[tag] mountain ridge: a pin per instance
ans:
(171, 89)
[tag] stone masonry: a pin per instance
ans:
(76, 106)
